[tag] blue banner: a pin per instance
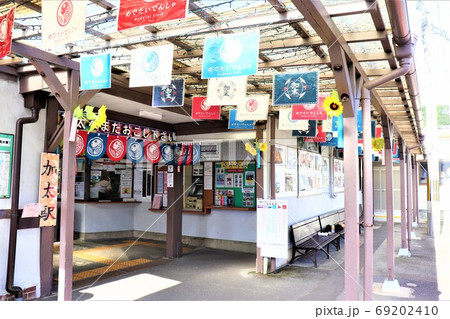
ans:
(169, 95)
(196, 153)
(234, 124)
(374, 124)
(95, 72)
(311, 132)
(295, 88)
(331, 139)
(231, 55)
(167, 153)
(359, 121)
(96, 145)
(340, 129)
(135, 150)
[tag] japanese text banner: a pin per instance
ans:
(285, 121)
(6, 27)
(227, 91)
(254, 107)
(134, 13)
(95, 72)
(63, 21)
(48, 189)
(202, 111)
(151, 66)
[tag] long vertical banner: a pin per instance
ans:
(6, 151)
(48, 188)
(63, 21)
(6, 27)
(134, 13)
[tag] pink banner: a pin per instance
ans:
(201, 111)
(309, 111)
(320, 137)
(6, 27)
(134, 13)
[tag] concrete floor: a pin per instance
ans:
(204, 274)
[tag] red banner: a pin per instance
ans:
(6, 27)
(182, 154)
(116, 147)
(152, 152)
(320, 137)
(189, 154)
(309, 111)
(81, 142)
(134, 13)
(201, 111)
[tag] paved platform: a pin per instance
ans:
(204, 274)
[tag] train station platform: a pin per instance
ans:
(137, 270)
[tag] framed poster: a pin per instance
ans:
(6, 151)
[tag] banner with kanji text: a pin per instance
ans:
(48, 189)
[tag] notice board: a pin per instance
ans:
(6, 151)
(272, 228)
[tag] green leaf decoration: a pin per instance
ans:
(89, 110)
(78, 112)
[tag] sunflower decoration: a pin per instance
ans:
(332, 105)
(95, 120)
(377, 144)
(256, 150)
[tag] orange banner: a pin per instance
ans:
(48, 188)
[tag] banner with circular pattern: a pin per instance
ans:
(195, 153)
(167, 153)
(116, 147)
(81, 142)
(135, 150)
(152, 152)
(95, 146)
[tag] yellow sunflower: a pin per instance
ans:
(263, 147)
(333, 106)
(377, 144)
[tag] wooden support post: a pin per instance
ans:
(174, 248)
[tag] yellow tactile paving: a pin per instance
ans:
(102, 270)
(86, 254)
(185, 249)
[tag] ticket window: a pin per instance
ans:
(193, 187)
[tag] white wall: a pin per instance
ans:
(27, 272)
(103, 217)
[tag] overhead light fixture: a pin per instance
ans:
(149, 115)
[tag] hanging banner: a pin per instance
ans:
(134, 13)
(202, 111)
(295, 88)
(309, 111)
(374, 123)
(167, 153)
(6, 157)
(285, 121)
(63, 21)
(359, 120)
(116, 147)
(95, 73)
(195, 153)
(320, 136)
(189, 155)
(135, 150)
(48, 189)
(338, 126)
(310, 131)
(151, 66)
(327, 125)
(331, 139)
(152, 152)
(234, 124)
(81, 142)
(180, 152)
(6, 28)
(169, 95)
(233, 54)
(254, 108)
(95, 145)
(228, 91)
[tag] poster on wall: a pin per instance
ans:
(126, 180)
(134, 13)
(310, 173)
(228, 55)
(272, 228)
(210, 151)
(6, 28)
(63, 21)
(151, 66)
(6, 151)
(48, 189)
(295, 88)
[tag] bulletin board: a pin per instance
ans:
(6, 151)
(235, 184)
